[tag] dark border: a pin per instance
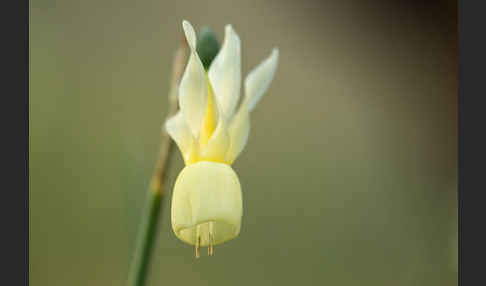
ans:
(25, 160)
(460, 106)
(471, 119)
(14, 118)
(26, 134)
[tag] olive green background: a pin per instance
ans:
(349, 176)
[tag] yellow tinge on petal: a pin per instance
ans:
(210, 119)
(213, 141)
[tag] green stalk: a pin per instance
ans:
(140, 263)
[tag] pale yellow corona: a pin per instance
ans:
(211, 130)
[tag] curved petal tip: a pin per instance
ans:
(275, 52)
(190, 34)
(259, 79)
(228, 28)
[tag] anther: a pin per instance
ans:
(198, 241)
(211, 238)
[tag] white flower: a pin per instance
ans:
(211, 130)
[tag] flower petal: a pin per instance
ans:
(238, 132)
(193, 86)
(259, 79)
(178, 130)
(225, 72)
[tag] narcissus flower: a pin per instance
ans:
(211, 130)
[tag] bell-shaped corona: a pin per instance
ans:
(206, 204)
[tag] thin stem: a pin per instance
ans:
(157, 191)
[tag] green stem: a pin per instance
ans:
(150, 217)
(140, 263)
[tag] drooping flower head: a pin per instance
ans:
(211, 129)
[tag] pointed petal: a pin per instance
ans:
(179, 132)
(259, 79)
(238, 132)
(225, 72)
(193, 86)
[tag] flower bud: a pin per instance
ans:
(207, 46)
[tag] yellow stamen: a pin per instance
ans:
(198, 240)
(211, 238)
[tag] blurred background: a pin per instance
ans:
(349, 177)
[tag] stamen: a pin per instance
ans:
(198, 240)
(211, 238)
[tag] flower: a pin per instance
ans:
(211, 130)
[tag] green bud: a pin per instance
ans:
(207, 46)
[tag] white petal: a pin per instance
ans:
(193, 86)
(259, 79)
(238, 132)
(179, 131)
(225, 72)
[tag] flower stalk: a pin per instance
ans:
(158, 184)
